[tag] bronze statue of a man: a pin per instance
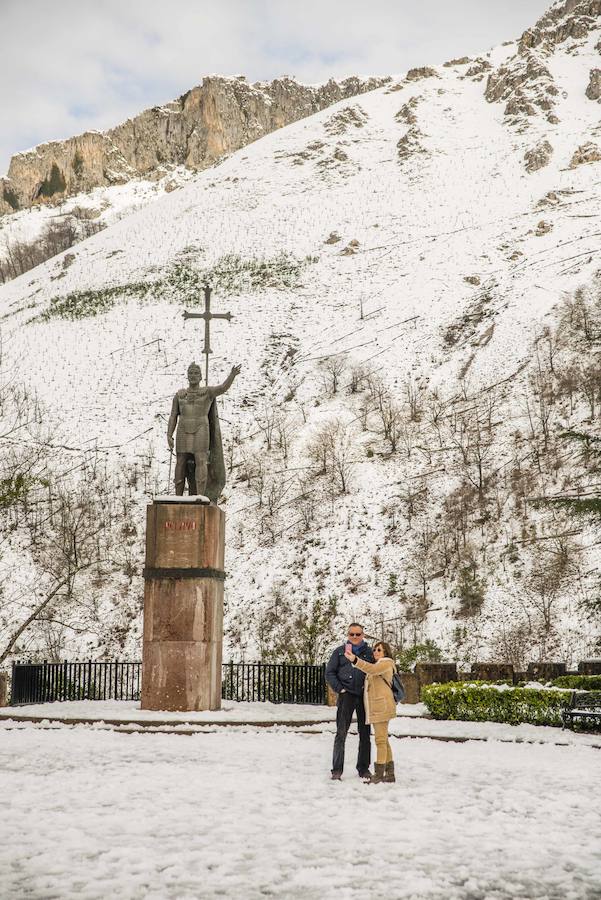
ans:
(194, 411)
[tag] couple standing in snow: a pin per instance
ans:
(362, 679)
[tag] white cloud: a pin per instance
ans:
(70, 65)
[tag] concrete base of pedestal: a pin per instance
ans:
(183, 607)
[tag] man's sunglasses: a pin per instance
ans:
(355, 633)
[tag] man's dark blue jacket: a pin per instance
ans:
(341, 674)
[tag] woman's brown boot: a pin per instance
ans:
(389, 773)
(379, 775)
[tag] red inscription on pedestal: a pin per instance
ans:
(180, 526)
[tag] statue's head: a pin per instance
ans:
(194, 374)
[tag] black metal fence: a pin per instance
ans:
(45, 682)
(274, 682)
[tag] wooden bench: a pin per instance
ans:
(585, 706)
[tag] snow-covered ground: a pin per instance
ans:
(412, 720)
(129, 710)
(249, 815)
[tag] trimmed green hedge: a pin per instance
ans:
(483, 702)
(578, 682)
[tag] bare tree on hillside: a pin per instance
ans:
(285, 428)
(307, 499)
(553, 566)
(391, 418)
(255, 473)
(266, 422)
(333, 451)
(413, 498)
(332, 370)
(57, 236)
(60, 554)
(472, 435)
(416, 396)
(358, 376)
(424, 560)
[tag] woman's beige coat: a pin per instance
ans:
(380, 705)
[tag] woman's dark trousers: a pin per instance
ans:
(346, 706)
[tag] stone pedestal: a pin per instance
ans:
(183, 605)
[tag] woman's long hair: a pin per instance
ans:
(386, 648)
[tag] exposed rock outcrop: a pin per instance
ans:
(586, 153)
(460, 61)
(406, 113)
(410, 143)
(421, 73)
(478, 69)
(526, 86)
(538, 157)
(524, 82)
(571, 19)
(212, 120)
(345, 119)
(593, 91)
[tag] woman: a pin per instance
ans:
(380, 705)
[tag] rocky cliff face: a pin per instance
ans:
(565, 19)
(215, 118)
(525, 83)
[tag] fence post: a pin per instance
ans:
(89, 691)
(3, 689)
(259, 681)
(12, 683)
(64, 679)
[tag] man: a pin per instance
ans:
(348, 681)
(194, 411)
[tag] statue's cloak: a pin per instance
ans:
(216, 464)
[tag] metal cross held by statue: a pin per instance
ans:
(207, 315)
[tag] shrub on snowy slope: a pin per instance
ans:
(481, 702)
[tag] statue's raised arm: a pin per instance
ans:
(225, 385)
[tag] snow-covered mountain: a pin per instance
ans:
(195, 131)
(397, 267)
(60, 192)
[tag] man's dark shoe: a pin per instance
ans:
(365, 776)
(336, 776)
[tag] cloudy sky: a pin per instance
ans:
(69, 65)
